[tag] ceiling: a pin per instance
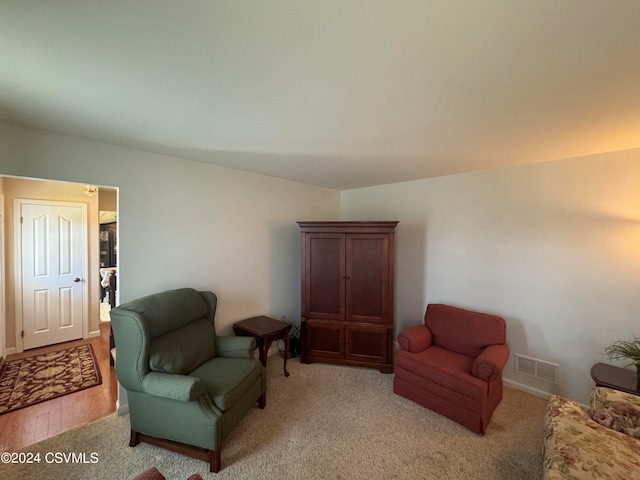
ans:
(337, 93)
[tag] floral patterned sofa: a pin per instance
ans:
(598, 442)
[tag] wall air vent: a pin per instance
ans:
(537, 368)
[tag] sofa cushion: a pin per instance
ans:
(464, 331)
(617, 410)
(183, 349)
(228, 379)
(577, 447)
(169, 310)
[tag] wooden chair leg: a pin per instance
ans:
(211, 456)
(134, 439)
(214, 462)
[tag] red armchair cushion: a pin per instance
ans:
(445, 374)
(464, 331)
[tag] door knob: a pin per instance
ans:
(76, 279)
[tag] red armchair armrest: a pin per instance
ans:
(415, 339)
(489, 364)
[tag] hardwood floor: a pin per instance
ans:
(29, 425)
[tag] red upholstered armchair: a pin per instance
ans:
(453, 364)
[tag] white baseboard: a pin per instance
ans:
(527, 389)
(122, 409)
(13, 350)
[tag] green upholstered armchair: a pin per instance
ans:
(187, 387)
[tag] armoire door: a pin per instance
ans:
(367, 274)
(324, 277)
(367, 343)
(324, 339)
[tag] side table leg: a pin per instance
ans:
(264, 351)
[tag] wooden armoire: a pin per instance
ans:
(347, 293)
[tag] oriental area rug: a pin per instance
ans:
(27, 381)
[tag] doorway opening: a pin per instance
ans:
(96, 401)
(99, 199)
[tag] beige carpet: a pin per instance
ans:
(323, 422)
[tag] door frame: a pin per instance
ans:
(3, 283)
(17, 211)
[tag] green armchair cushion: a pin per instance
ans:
(228, 379)
(183, 349)
(169, 309)
(239, 347)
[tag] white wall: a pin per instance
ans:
(554, 248)
(183, 223)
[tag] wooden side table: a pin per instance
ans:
(610, 376)
(265, 330)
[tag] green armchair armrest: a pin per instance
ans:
(173, 386)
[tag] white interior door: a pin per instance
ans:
(53, 239)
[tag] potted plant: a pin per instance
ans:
(630, 350)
